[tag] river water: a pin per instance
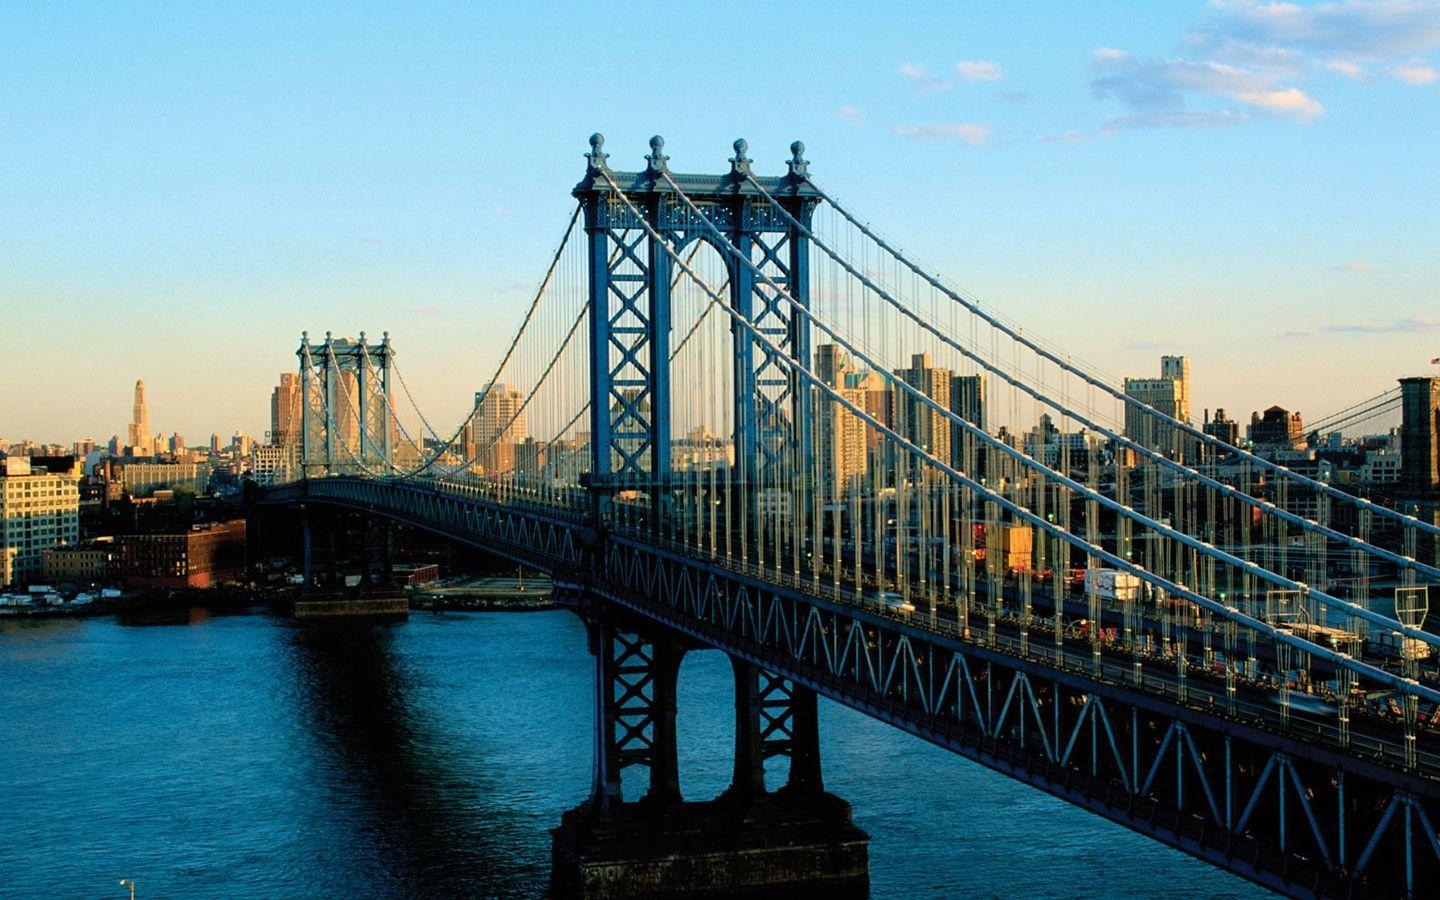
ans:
(253, 756)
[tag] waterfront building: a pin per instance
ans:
(39, 509)
(85, 564)
(202, 556)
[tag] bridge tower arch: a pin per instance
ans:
(346, 427)
(632, 328)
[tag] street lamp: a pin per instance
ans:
(130, 883)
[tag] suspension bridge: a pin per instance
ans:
(736, 416)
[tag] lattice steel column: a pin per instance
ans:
(773, 717)
(634, 713)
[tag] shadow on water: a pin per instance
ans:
(410, 799)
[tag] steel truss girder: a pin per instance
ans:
(1298, 817)
(533, 537)
(1278, 811)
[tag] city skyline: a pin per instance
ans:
(1239, 183)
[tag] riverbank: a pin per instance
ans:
(154, 598)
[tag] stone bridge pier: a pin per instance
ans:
(797, 840)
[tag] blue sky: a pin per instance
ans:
(185, 187)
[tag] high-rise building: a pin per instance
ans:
(839, 434)
(1169, 394)
(968, 401)
(285, 411)
(1420, 436)
(140, 423)
(1178, 369)
(39, 509)
(498, 425)
(917, 421)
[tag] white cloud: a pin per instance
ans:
(1416, 71)
(505, 212)
(1291, 103)
(1350, 28)
(925, 82)
(979, 70)
(851, 115)
(1164, 89)
(971, 134)
(1346, 68)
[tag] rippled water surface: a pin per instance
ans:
(248, 755)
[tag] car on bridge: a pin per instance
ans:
(891, 602)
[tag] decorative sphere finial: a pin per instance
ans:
(657, 158)
(740, 163)
(597, 155)
(798, 166)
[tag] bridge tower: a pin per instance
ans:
(630, 279)
(750, 841)
(345, 410)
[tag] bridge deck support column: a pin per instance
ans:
(804, 743)
(307, 555)
(748, 780)
(747, 843)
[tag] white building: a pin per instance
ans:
(38, 510)
(142, 479)
(274, 464)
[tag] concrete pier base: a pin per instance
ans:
(394, 604)
(770, 846)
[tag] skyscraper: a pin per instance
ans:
(497, 426)
(840, 434)
(921, 424)
(968, 401)
(285, 411)
(140, 423)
